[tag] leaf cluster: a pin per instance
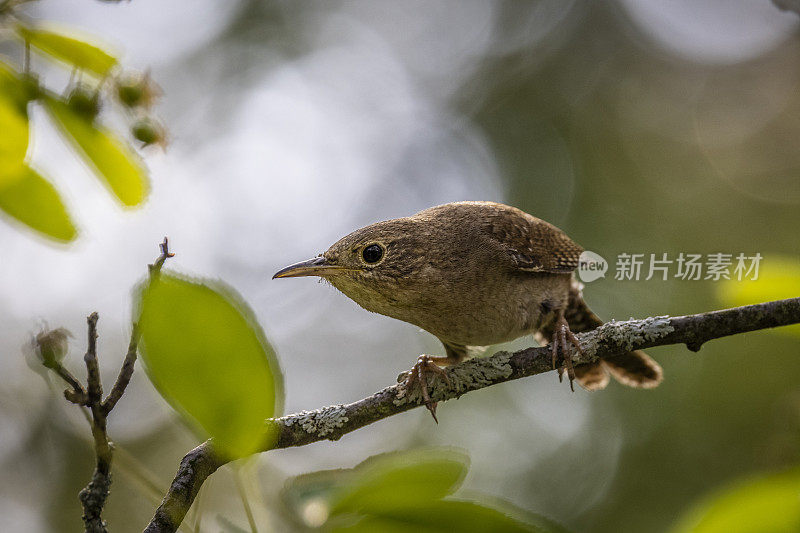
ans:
(97, 84)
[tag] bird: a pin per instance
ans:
(474, 274)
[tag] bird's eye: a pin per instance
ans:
(372, 253)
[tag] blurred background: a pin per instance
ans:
(637, 126)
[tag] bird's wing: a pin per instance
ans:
(535, 245)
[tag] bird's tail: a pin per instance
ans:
(634, 369)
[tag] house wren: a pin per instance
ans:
(474, 274)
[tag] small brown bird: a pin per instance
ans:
(474, 274)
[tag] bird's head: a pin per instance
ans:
(378, 265)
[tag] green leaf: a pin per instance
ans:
(402, 491)
(32, 200)
(401, 480)
(24, 194)
(442, 516)
(207, 355)
(69, 49)
(14, 125)
(11, 83)
(768, 504)
(13, 120)
(394, 479)
(778, 278)
(111, 159)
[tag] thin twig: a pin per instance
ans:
(52, 346)
(125, 373)
(165, 254)
(93, 496)
(608, 340)
(76, 394)
(94, 388)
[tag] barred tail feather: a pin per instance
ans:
(592, 377)
(635, 369)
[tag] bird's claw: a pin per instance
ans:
(425, 364)
(559, 343)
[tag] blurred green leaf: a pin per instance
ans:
(778, 278)
(24, 194)
(13, 120)
(207, 355)
(12, 85)
(401, 480)
(770, 504)
(32, 200)
(69, 49)
(314, 488)
(111, 159)
(14, 125)
(402, 491)
(441, 517)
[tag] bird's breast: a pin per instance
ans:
(482, 312)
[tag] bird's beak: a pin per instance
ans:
(317, 266)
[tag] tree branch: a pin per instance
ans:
(608, 340)
(93, 496)
(51, 346)
(125, 373)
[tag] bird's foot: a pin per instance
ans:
(560, 343)
(425, 365)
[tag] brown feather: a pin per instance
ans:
(592, 377)
(535, 245)
(635, 369)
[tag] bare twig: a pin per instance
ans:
(165, 254)
(125, 373)
(76, 394)
(608, 340)
(93, 496)
(94, 388)
(51, 346)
